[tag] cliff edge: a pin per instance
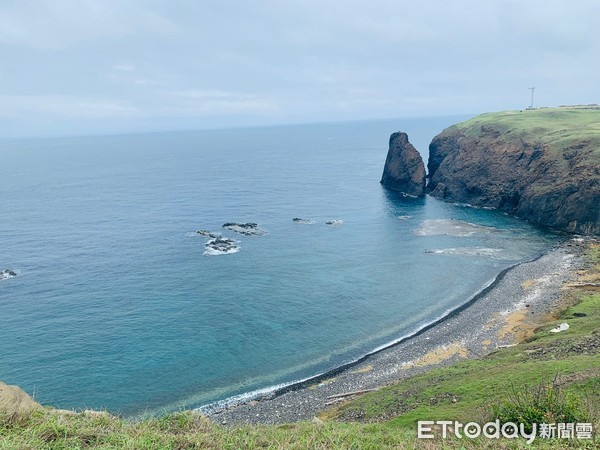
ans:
(542, 165)
(404, 170)
(14, 402)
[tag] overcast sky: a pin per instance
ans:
(73, 67)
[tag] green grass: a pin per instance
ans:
(186, 430)
(469, 391)
(557, 128)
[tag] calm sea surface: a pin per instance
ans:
(116, 305)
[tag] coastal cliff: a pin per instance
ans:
(542, 165)
(404, 170)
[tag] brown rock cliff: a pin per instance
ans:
(553, 182)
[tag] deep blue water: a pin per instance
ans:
(116, 306)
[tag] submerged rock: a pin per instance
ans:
(304, 221)
(334, 222)
(404, 170)
(247, 229)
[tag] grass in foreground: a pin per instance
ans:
(470, 391)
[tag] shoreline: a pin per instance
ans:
(520, 296)
(271, 392)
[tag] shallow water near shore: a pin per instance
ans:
(118, 303)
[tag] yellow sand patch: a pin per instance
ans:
(521, 325)
(528, 284)
(439, 354)
(363, 369)
(589, 278)
(514, 322)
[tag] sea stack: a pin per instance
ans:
(404, 170)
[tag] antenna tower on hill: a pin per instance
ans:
(531, 89)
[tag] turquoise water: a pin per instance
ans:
(116, 305)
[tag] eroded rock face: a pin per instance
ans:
(404, 170)
(550, 186)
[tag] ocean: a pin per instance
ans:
(119, 303)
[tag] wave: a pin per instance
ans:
(451, 227)
(469, 251)
(217, 252)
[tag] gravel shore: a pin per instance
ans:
(518, 300)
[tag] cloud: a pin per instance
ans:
(147, 82)
(12, 106)
(273, 61)
(54, 25)
(217, 102)
(126, 67)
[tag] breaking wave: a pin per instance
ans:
(496, 253)
(451, 227)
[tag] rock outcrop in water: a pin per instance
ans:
(404, 170)
(543, 166)
(247, 229)
(220, 246)
(7, 273)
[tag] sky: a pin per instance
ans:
(70, 67)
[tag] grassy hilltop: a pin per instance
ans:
(557, 128)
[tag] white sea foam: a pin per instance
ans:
(242, 398)
(216, 252)
(469, 251)
(405, 217)
(451, 227)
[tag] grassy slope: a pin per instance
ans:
(463, 391)
(558, 128)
